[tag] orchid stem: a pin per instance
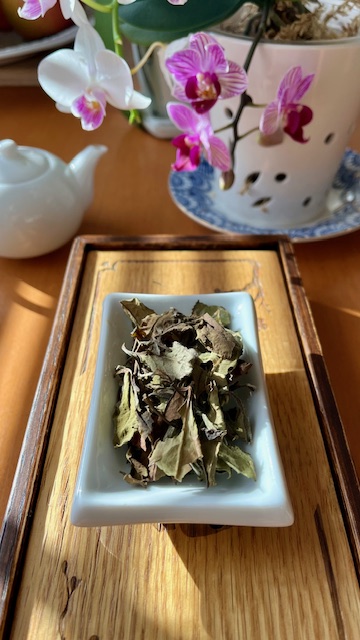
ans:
(145, 58)
(118, 42)
(245, 100)
(244, 135)
(101, 8)
(257, 106)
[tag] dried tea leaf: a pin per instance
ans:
(175, 362)
(175, 455)
(232, 457)
(180, 406)
(237, 421)
(172, 409)
(136, 310)
(210, 450)
(126, 419)
(214, 420)
(220, 314)
(215, 337)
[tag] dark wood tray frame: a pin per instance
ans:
(22, 502)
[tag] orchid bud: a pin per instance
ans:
(226, 180)
(271, 139)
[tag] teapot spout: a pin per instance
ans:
(83, 166)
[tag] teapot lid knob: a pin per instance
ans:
(18, 164)
(8, 147)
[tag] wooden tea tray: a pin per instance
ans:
(184, 582)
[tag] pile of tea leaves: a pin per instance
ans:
(180, 408)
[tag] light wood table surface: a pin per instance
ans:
(131, 198)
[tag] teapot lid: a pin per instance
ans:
(19, 164)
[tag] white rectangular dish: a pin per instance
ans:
(103, 498)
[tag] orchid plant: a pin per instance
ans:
(83, 80)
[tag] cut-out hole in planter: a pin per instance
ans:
(306, 202)
(261, 203)
(280, 177)
(250, 179)
(329, 138)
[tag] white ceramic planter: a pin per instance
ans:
(152, 83)
(293, 180)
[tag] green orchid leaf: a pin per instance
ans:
(147, 21)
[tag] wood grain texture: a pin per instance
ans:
(343, 468)
(141, 582)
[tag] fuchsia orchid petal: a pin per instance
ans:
(91, 109)
(187, 153)
(306, 115)
(286, 113)
(198, 43)
(179, 142)
(288, 84)
(218, 154)
(183, 117)
(179, 93)
(234, 82)
(203, 106)
(212, 58)
(203, 75)
(297, 119)
(203, 91)
(293, 86)
(304, 86)
(293, 122)
(183, 64)
(34, 9)
(199, 136)
(270, 119)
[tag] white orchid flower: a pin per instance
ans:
(83, 80)
(71, 9)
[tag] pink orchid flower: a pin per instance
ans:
(198, 138)
(203, 75)
(286, 113)
(83, 80)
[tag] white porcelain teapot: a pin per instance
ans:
(42, 199)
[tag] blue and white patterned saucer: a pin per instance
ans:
(193, 193)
